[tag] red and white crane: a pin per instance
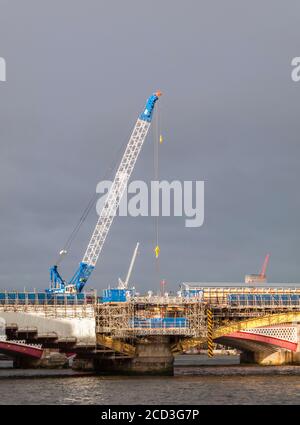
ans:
(261, 277)
(264, 267)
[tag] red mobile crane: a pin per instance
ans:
(259, 278)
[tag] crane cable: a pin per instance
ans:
(157, 139)
(156, 176)
(89, 206)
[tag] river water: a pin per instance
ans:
(197, 380)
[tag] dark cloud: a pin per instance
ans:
(78, 73)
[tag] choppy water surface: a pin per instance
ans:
(197, 380)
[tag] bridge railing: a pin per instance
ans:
(43, 298)
(23, 342)
(264, 300)
(276, 297)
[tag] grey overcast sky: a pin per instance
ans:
(78, 74)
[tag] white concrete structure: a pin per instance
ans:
(65, 321)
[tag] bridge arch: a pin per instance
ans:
(267, 320)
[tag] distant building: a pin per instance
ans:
(255, 278)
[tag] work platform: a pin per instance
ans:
(151, 316)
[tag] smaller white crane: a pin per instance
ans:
(124, 285)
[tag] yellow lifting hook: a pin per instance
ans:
(157, 251)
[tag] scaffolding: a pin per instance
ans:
(113, 319)
(49, 305)
(151, 317)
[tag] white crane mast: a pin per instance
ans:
(131, 265)
(124, 285)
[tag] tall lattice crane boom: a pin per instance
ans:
(116, 192)
(110, 206)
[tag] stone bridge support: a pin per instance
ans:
(267, 346)
(152, 357)
(264, 358)
(49, 360)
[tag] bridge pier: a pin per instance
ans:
(83, 364)
(50, 359)
(26, 363)
(152, 357)
(264, 358)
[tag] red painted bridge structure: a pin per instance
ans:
(270, 340)
(20, 349)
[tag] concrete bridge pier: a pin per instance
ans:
(50, 359)
(274, 357)
(83, 364)
(26, 363)
(267, 358)
(152, 357)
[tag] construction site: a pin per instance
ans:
(121, 331)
